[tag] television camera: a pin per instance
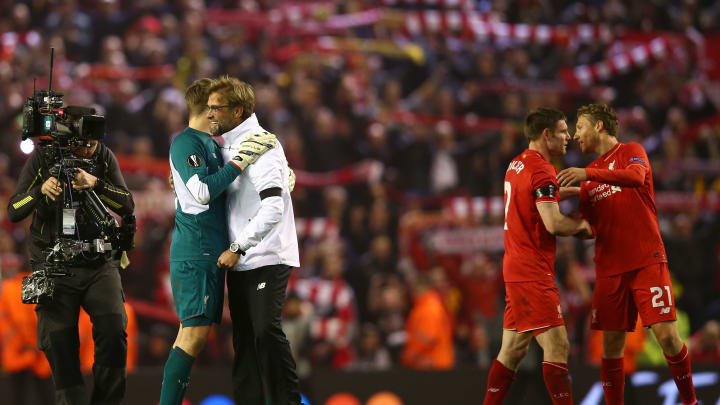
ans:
(59, 131)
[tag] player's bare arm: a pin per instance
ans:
(568, 192)
(558, 224)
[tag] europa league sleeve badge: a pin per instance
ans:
(195, 161)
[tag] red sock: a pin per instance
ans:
(557, 382)
(680, 369)
(612, 375)
(498, 384)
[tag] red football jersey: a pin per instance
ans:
(618, 200)
(529, 247)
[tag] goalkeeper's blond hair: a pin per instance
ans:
(601, 112)
(196, 96)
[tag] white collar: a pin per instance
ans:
(241, 132)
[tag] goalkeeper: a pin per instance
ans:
(200, 234)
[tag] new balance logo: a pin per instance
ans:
(260, 286)
(665, 310)
(493, 389)
(561, 395)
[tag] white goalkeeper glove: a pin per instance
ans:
(291, 181)
(252, 148)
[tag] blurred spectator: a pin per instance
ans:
(20, 357)
(388, 306)
(576, 291)
(334, 316)
(414, 160)
(296, 323)
(335, 203)
(72, 24)
(371, 355)
(472, 345)
(689, 244)
(429, 342)
(705, 344)
(355, 230)
(444, 172)
(449, 294)
(378, 263)
(482, 287)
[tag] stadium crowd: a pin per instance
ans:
(390, 128)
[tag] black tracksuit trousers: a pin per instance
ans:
(263, 367)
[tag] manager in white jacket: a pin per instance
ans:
(262, 252)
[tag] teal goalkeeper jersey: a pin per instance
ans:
(200, 181)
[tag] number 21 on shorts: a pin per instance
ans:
(657, 300)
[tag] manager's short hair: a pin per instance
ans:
(236, 93)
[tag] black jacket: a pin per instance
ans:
(28, 199)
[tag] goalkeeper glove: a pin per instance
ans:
(252, 148)
(291, 181)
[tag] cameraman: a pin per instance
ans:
(94, 282)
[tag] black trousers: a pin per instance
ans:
(263, 367)
(99, 292)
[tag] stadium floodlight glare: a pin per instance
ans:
(27, 146)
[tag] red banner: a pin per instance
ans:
(585, 75)
(712, 56)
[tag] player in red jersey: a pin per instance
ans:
(532, 219)
(618, 199)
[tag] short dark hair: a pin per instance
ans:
(601, 112)
(196, 96)
(541, 118)
(236, 93)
